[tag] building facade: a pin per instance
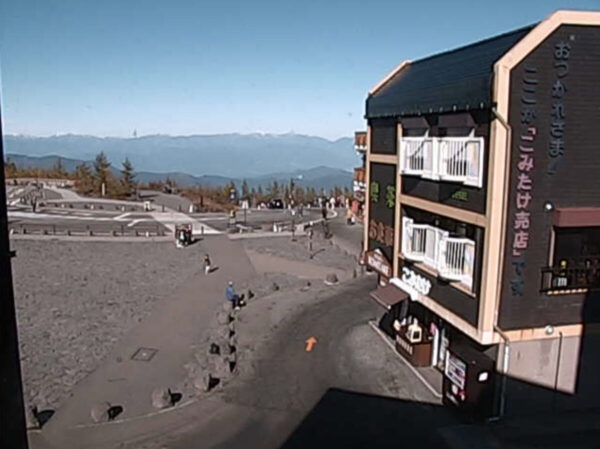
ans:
(483, 199)
(359, 187)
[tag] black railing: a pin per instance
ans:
(577, 278)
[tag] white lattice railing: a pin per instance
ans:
(457, 159)
(417, 154)
(456, 260)
(451, 257)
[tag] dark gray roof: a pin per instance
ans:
(456, 80)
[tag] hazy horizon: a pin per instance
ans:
(231, 133)
(183, 67)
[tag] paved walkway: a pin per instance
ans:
(267, 263)
(67, 194)
(347, 237)
(129, 383)
(170, 219)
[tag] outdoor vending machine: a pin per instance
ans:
(469, 381)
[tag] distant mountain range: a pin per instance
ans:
(317, 177)
(229, 155)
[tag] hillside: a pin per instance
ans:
(316, 177)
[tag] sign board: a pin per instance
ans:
(245, 204)
(415, 281)
(381, 196)
(456, 370)
(377, 260)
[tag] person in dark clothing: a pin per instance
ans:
(206, 264)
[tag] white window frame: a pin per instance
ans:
(433, 247)
(425, 148)
(452, 250)
(472, 176)
(435, 158)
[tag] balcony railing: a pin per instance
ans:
(455, 159)
(556, 279)
(359, 174)
(360, 141)
(451, 257)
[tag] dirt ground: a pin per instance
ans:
(75, 300)
(323, 252)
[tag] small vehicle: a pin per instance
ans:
(275, 203)
(183, 235)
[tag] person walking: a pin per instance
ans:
(310, 239)
(207, 265)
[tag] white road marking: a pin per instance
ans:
(40, 216)
(134, 222)
(171, 219)
(122, 216)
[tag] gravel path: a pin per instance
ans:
(324, 253)
(76, 299)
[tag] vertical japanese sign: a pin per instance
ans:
(525, 162)
(378, 231)
(556, 147)
(382, 208)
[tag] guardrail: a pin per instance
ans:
(80, 231)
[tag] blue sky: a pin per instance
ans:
(206, 67)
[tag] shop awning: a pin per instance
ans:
(388, 296)
(577, 217)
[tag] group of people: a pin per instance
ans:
(183, 235)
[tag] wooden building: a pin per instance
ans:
(483, 198)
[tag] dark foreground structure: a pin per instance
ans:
(12, 415)
(483, 215)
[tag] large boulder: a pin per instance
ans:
(331, 279)
(220, 368)
(223, 318)
(230, 357)
(203, 381)
(99, 412)
(161, 398)
(31, 419)
(223, 332)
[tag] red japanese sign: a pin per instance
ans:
(381, 233)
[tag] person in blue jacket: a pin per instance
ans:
(232, 296)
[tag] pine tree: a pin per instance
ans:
(101, 172)
(10, 169)
(84, 179)
(274, 190)
(245, 189)
(128, 177)
(58, 170)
